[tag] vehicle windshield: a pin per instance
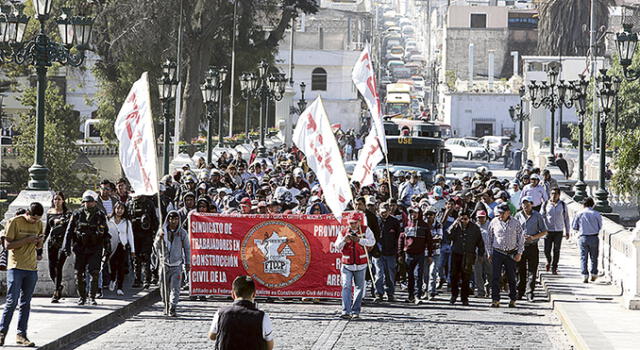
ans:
(397, 108)
(472, 144)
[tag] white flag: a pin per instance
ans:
(314, 137)
(134, 129)
(375, 145)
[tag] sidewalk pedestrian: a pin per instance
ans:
(466, 241)
(353, 242)
(412, 245)
(57, 220)
(588, 223)
(23, 236)
(175, 252)
(556, 217)
(534, 228)
(122, 246)
(482, 270)
(242, 325)
(504, 249)
(536, 192)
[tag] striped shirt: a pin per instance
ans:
(505, 236)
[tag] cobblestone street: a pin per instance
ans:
(434, 325)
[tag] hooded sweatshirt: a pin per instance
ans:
(416, 238)
(176, 244)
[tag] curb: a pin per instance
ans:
(568, 326)
(104, 322)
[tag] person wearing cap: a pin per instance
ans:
(413, 242)
(556, 216)
(482, 270)
(175, 252)
(262, 207)
(298, 179)
(504, 197)
(588, 224)
(515, 193)
(385, 264)
(353, 241)
(534, 228)
(505, 245)
(245, 205)
(408, 189)
(87, 235)
(466, 241)
(536, 191)
(486, 203)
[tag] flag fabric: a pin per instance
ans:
(134, 129)
(313, 135)
(375, 145)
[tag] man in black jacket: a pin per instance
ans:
(242, 325)
(387, 245)
(466, 240)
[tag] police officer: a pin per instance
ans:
(87, 232)
(144, 222)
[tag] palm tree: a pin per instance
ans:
(564, 26)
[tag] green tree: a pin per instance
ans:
(60, 150)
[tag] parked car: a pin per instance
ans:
(418, 81)
(464, 148)
(496, 143)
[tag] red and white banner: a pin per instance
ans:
(314, 137)
(286, 255)
(375, 145)
(134, 129)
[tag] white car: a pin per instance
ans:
(418, 81)
(464, 148)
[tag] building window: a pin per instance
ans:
(319, 79)
(478, 20)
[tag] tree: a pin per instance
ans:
(564, 26)
(133, 36)
(60, 149)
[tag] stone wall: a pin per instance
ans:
(456, 53)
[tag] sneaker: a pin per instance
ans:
(345, 316)
(547, 267)
(145, 286)
(112, 286)
(120, 292)
(24, 341)
(410, 300)
(585, 279)
(594, 277)
(418, 301)
(377, 299)
(452, 301)
(465, 302)
(530, 298)
(554, 271)
(2, 336)
(93, 301)
(440, 284)
(495, 304)
(56, 297)
(512, 304)
(172, 312)
(81, 301)
(391, 299)
(354, 316)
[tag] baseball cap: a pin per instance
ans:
(245, 201)
(481, 213)
(88, 198)
(502, 208)
(527, 199)
(535, 177)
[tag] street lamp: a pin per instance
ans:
(552, 94)
(607, 93)
(248, 86)
(517, 112)
(210, 96)
(222, 77)
(626, 42)
(302, 103)
(580, 98)
(167, 87)
(267, 87)
(42, 52)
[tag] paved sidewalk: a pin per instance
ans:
(52, 326)
(592, 314)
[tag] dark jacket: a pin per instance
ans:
(467, 240)
(416, 238)
(240, 327)
(87, 233)
(389, 234)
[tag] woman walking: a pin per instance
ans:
(121, 246)
(57, 220)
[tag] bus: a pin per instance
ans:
(398, 100)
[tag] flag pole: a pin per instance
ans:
(163, 282)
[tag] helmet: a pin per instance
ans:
(398, 173)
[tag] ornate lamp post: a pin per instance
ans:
(552, 94)
(580, 98)
(167, 87)
(222, 77)
(210, 96)
(269, 87)
(248, 86)
(517, 112)
(607, 95)
(626, 42)
(42, 52)
(302, 103)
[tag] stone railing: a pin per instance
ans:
(619, 258)
(625, 204)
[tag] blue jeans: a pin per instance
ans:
(385, 274)
(445, 263)
(498, 261)
(20, 286)
(349, 279)
(415, 265)
(589, 249)
(435, 271)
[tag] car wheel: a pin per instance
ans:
(494, 155)
(469, 156)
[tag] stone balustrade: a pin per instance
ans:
(625, 204)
